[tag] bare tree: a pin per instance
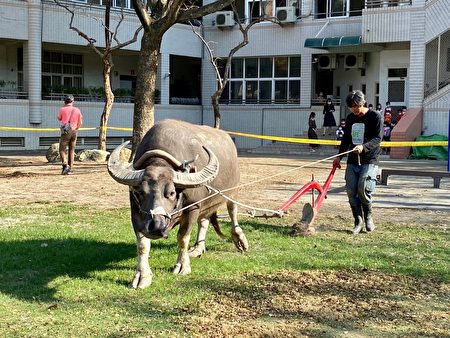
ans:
(111, 44)
(222, 79)
(157, 16)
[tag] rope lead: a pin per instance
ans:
(253, 209)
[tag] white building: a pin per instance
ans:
(394, 50)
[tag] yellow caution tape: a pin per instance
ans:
(333, 142)
(265, 137)
(40, 130)
(117, 128)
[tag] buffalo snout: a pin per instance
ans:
(156, 227)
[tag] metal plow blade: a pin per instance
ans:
(305, 226)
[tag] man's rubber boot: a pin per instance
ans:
(358, 216)
(370, 226)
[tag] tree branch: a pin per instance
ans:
(141, 11)
(197, 12)
(91, 41)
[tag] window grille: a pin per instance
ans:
(437, 65)
(12, 142)
(263, 81)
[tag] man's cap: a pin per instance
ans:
(68, 98)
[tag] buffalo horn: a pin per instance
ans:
(157, 153)
(192, 180)
(123, 173)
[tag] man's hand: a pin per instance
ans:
(358, 149)
(337, 162)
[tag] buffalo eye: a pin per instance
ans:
(170, 192)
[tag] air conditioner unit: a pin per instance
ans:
(286, 14)
(327, 61)
(225, 19)
(352, 61)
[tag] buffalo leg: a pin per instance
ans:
(238, 236)
(143, 275)
(183, 265)
(199, 248)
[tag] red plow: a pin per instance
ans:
(310, 210)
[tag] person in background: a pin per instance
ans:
(370, 106)
(379, 109)
(312, 133)
(388, 112)
(328, 116)
(340, 131)
(386, 136)
(71, 115)
(400, 113)
(362, 135)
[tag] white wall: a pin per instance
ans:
(392, 59)
(436, 113)
(14, 19)
(345, 77)
(180, 40)
(437, 18)
(274, 120)
(14, 113)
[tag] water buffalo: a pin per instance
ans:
(163, 179)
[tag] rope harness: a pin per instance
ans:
(253, 209)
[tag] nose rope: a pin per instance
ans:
(159, 211)
(221, 192)
(152, 212)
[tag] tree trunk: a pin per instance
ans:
(144, 106)
(215, 104)
(109, 100)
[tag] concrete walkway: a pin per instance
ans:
(404, 191)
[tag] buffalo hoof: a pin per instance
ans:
(141, 282)
(197, 251)
(239, 239)
(180, 269)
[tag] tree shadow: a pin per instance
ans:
(27, 267)
(261, 225)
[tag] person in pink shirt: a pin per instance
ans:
(68, 114)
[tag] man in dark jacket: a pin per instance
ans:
(362, 134)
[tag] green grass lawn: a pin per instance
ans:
(64, 272)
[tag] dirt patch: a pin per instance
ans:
(312, 303)
(266, 182)
(286, 303)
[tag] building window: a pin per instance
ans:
(448, 59)
(115, 3)
(255, 9)
(61, 71)
(20, 82)
(332, 8)
(263, 81)
(398, 72)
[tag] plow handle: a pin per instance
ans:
(310, 186)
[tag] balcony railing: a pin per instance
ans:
(91, 98)
(13, 94)
(386, 3)
(314, 101)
